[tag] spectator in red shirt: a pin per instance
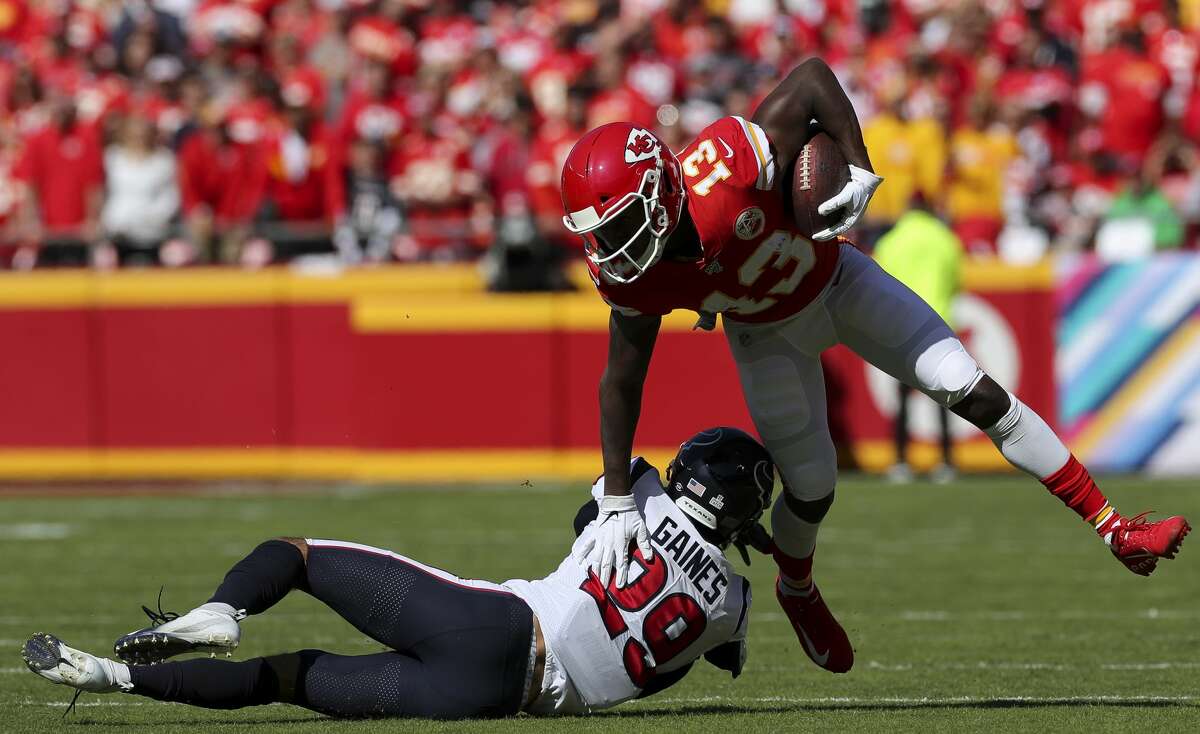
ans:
(551, 145)
(221, 184)
(289, 67)
(521, 258)
(1124, 90)
(616, 99)
(433, 177)
(298, 210)
(63, 172)
(381, 37)
(550, 77)
(374, 109)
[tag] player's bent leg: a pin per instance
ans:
(415, 608)
(216, 684)
(474, 639)
(781, 377)
(345, 686)
(383, 684)
(782, 380)
(253, 585)
(892, 328)
(822, 637)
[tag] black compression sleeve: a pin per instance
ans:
(214, 684)
(261, 579)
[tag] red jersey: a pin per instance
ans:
(756, 266)
(227, 177)
(433, 175)
(378, 38)
(64, 168)
(1134, 85)
(298, 172)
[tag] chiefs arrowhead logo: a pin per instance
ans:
(749, 224)
(640, 146)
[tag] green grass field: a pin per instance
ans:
(984, 605)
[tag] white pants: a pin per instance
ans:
(877, 317)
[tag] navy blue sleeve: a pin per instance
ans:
(586, 514)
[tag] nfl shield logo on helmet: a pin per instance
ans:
(749, 224)
(640, 146)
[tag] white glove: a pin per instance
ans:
(618, 523)
(854, 197)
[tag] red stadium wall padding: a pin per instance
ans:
(191, 376)
(318, 372)
(48, 378)
(692, 384)
(204, 379)
(424, 391)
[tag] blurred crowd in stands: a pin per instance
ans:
(250, 131)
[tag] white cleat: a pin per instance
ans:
(900, 473)
(55, 661)
(943, 474)
(200, 630)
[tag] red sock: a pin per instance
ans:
(796, 570)
(1075, 487)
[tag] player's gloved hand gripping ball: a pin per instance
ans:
(853, 198)
(617, 524)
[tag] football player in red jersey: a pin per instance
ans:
(709, 230)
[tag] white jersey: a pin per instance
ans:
(604, 645)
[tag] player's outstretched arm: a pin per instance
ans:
(812, 92)
(630, 344)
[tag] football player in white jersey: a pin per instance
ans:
(469, 648)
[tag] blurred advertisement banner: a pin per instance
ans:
(1129, 362)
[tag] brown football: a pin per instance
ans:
(820, 172)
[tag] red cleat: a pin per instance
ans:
(820, 634)
(1139, 544)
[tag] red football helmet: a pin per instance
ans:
(623, 193)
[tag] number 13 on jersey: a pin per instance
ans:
(705, 152)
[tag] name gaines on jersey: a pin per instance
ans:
(692, 558)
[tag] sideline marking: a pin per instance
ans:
(931, 701)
